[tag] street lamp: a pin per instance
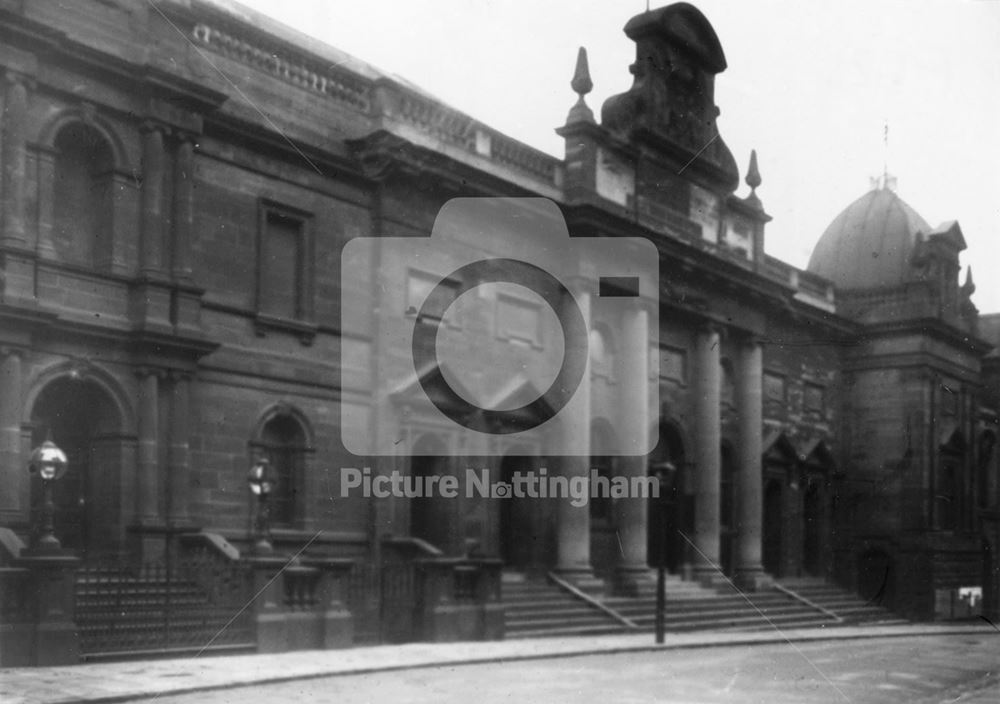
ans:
(664, 473)
(49, 463)
(261, 484)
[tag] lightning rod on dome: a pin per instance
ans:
(884, 181)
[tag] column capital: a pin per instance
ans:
(580, 285)
(12, 351)
(145, 371)
(707, 326)
(182, 136)
(751, 339)
(18, 78)
(179, 375)
(150, 125)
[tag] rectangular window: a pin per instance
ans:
(519, 320)
(813, 398)
(774, 394)
(673, 364)
(281, 267)
(419, 285)
(284, 270)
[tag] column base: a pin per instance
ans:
(709, 576)
(752, 579)
(632, 580)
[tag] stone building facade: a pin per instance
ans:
(180, 178)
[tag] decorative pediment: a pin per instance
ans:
(950, 232)
(432, 378)
(523, 395)
(816, 453)
(778, 448)
(673, 93)
(952, 439)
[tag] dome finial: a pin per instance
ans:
(581, 85)
(753, 179)
(753, 173)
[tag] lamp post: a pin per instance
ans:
(260, 483)
(49, 463)
(664, 473)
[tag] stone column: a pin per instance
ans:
(151, 251)
(178, 456)
(183, 207)
(631, 512)
(707, 460)
(750, 495)
(147, 499)
(13, 469)
(14, 152)
(573, 522)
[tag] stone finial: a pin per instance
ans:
(969, 287)
(581, 82)
(753, 179)
(581, 85)
(753, 173)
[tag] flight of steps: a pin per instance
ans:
(538, 608)
(846, 604)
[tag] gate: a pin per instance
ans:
(185, 605)
(383, 600)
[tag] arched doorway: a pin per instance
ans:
(668, 517)
(283, 438)
(81, 418)
(429, 515)
(521, 539)
(772, 528)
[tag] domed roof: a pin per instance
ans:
(870, 243)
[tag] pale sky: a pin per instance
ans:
(809, 85)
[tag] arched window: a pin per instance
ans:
(283, 442)
(82, 196)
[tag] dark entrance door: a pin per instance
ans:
(667, 517)
(429, 515)
(812, 541)
(520, 539)
(79, 417)
(772, 528)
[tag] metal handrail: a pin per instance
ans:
(592, 601)
(808, 602)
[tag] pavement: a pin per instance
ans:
(149, 679)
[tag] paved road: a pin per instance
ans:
(921, 670)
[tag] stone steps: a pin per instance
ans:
(537, 608)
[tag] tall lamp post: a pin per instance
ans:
(261, 484)
(664, 473)
(49, 463)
